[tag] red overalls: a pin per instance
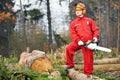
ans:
(83, 29)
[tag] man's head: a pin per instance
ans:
(80, 9)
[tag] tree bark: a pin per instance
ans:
(102, 67)
(104, 61)
(75, 75)
(49, 22)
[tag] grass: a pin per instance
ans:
(101, 75)
(9, 70)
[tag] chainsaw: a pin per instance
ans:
(93, 46)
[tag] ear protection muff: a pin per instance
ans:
(84, 11)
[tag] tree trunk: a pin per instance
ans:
(22, 23)
(49, 22)
(118, 40)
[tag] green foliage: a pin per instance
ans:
(35, 14)
(55, 60)
(58, 67)
(99, 54)
(101, 75)
(10, 63)
(63, 74)
(24, 74)
(4, 71)
(2, 5)
(59, 40)
(10, 70)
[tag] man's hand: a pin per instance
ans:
(95, 39)
(80, 43)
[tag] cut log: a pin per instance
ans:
(108, 61)
(55, 74)
(42, 65)
(37, 61)
(75, 75)
(104, 61)
(23, 58)
(33, 56)
(103, 67)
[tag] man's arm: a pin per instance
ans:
(73, 33)
(95, 29)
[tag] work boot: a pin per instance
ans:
(68, 68)
(90, 77)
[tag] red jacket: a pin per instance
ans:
(83, 29)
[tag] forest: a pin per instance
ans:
(26, 28)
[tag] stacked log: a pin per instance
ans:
(108, 64)
(107, 67)
(108, 61)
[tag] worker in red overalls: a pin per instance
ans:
(82, 29)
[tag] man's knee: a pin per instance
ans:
(69, 48)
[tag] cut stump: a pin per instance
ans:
(36, 61)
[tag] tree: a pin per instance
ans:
(7, 23)
(50, 40)
(27, 28)
(49, 24)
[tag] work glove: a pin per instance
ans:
(80, 43)
(95, 40)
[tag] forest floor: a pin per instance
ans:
(112, 74)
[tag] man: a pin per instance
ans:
(82, 30)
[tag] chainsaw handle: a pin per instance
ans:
(87, 43)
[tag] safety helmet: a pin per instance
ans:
(82, 7)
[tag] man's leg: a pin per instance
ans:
(88, 61)
(70, 50)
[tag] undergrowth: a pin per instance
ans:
(101, 75)
(10, 70)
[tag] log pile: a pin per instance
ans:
(108, 64)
